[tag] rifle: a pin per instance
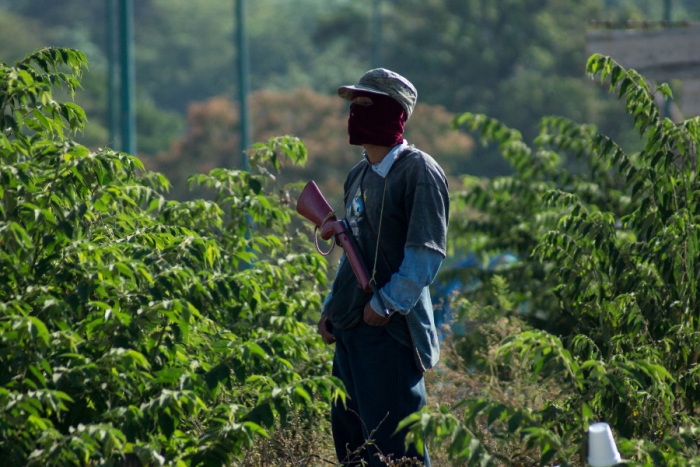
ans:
(314, 207)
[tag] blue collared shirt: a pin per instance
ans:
(383, 168)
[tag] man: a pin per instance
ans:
(397, 205)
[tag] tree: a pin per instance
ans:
(135, 330)
(611, 252)
(156, 127)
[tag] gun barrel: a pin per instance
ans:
(351, 253)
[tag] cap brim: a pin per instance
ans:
(346, 91)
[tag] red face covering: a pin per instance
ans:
(380, 124)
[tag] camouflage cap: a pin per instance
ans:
(387, 83)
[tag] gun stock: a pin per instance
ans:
(313, 206)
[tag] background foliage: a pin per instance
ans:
(212, 137)
(515, 60)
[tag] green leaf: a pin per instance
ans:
(262, 415)
(514, 421)
(37, 329)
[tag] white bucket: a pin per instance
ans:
(602, 451)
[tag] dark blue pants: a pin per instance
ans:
(384, 385)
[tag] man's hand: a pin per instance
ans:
(372, 318)
(324, 329)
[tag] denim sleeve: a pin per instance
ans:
(418, 270)
(330, 293)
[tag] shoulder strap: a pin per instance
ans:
(374, 232)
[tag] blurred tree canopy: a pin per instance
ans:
(517, 60)
(462, 55)
(212, 137)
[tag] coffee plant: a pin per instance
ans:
(606, 273)
(136, 330)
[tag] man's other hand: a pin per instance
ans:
(324, 329)
(372, 318)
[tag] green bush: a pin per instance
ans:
(606, 274)
(139, 330)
